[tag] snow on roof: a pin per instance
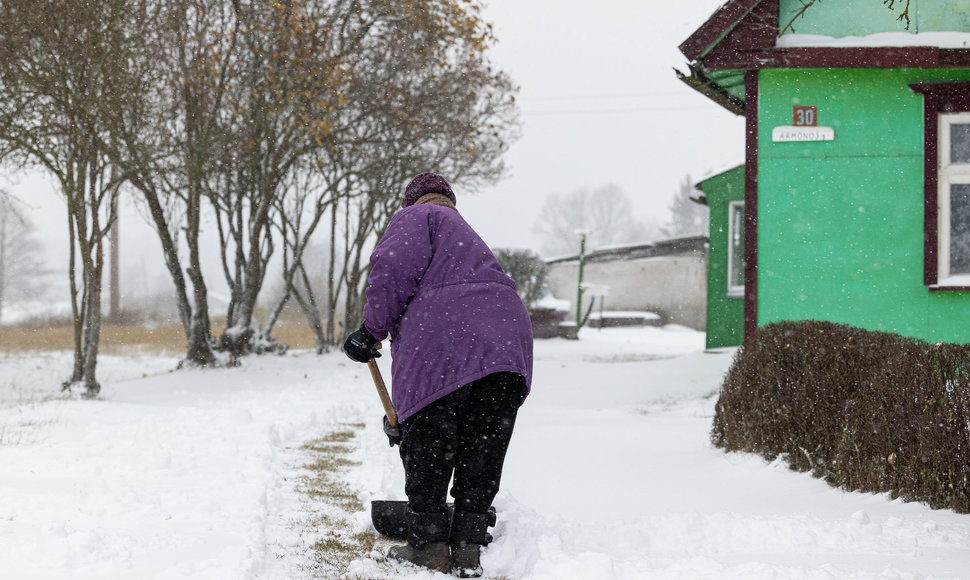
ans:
(950, 40)
(717, 172)
(686, 245)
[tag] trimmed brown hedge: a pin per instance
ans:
(868, 411)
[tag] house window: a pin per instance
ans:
(735, 262)
(946, 178)
(954, 201)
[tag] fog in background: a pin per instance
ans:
(600, 104)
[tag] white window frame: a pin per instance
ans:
(735, 263)
(949, 174)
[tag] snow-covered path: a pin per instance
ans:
(641, 493)
(191, 474)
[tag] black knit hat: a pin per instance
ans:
(423, 184)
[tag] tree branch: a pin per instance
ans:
(800, 13)
(905, 13)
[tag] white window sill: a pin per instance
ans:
(958, 280)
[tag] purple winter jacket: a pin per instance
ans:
(452, 313)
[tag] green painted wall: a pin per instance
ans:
(725, 314)
(840, 223)
(842, 18)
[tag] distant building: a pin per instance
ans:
(857, 171)
(667, 278)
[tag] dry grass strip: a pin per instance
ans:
(334, 502)
(167, 339)
(329, 458)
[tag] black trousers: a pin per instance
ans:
(466, 434)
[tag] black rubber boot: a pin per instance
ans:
(469, 532)
(433, 555)
(465, 561)
(427, 542)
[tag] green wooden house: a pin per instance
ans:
(724, 196)
(857, 170)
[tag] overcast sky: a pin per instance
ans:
(600, 104)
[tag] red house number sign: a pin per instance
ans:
(804, 116)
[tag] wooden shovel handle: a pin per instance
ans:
(375, 372)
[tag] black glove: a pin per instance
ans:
(394, 436)
(359, 346)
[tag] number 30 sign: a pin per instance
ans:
(804, 127)
(804, 116)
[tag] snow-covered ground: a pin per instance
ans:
(196, 474)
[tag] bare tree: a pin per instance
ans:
(58, 75)
(606, 214)
(304, 207)
(278, 113)
(22, 272)
(687, 217)
(165, 133)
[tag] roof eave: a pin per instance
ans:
(717, 26)
(701, 83)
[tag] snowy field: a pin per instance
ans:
(197, 475)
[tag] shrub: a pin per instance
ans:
(529, 271)
(869, 411)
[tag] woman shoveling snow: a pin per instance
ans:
(461, 366)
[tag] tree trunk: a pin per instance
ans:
(311, 311)
(91, 234)
(77, 310)
(332, 286)
(93, 262)
(114, 311)
(85, 199)
(198, 350)
(4, 217)
(199, 334)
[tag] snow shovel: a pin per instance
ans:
(389, 411)
(390, 516)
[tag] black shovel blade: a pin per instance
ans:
(390, 517)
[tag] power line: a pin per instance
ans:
(619, 111)
(601, 96)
